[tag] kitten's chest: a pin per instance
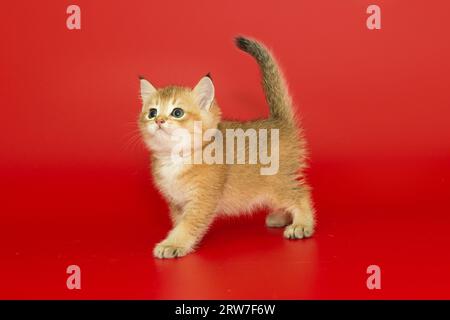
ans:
(168, 179)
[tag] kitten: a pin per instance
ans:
(197, 193)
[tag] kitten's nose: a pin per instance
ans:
(160, 121)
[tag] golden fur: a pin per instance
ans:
(197, 193)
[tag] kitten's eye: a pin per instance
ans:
(152, 113)
(177, 113)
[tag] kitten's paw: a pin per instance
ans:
(298, 231)
(278, 219)
(168, 251)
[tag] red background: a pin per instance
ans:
(75, 186)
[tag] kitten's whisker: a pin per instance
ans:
(132, 140)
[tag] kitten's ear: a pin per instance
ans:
(147, 89)
(204, 92)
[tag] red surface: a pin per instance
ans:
(74, 181)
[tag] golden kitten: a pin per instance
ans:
(198, 192)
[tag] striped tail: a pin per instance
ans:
(275, 88)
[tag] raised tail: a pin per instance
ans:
(273, 82)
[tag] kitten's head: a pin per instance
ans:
(171, 108)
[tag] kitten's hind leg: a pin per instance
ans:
(303, 221)
(278, 219)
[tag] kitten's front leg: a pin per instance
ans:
(175, 213)
(192, 225)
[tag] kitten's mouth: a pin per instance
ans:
(161, 129)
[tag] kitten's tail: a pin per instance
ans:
(273, 82)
